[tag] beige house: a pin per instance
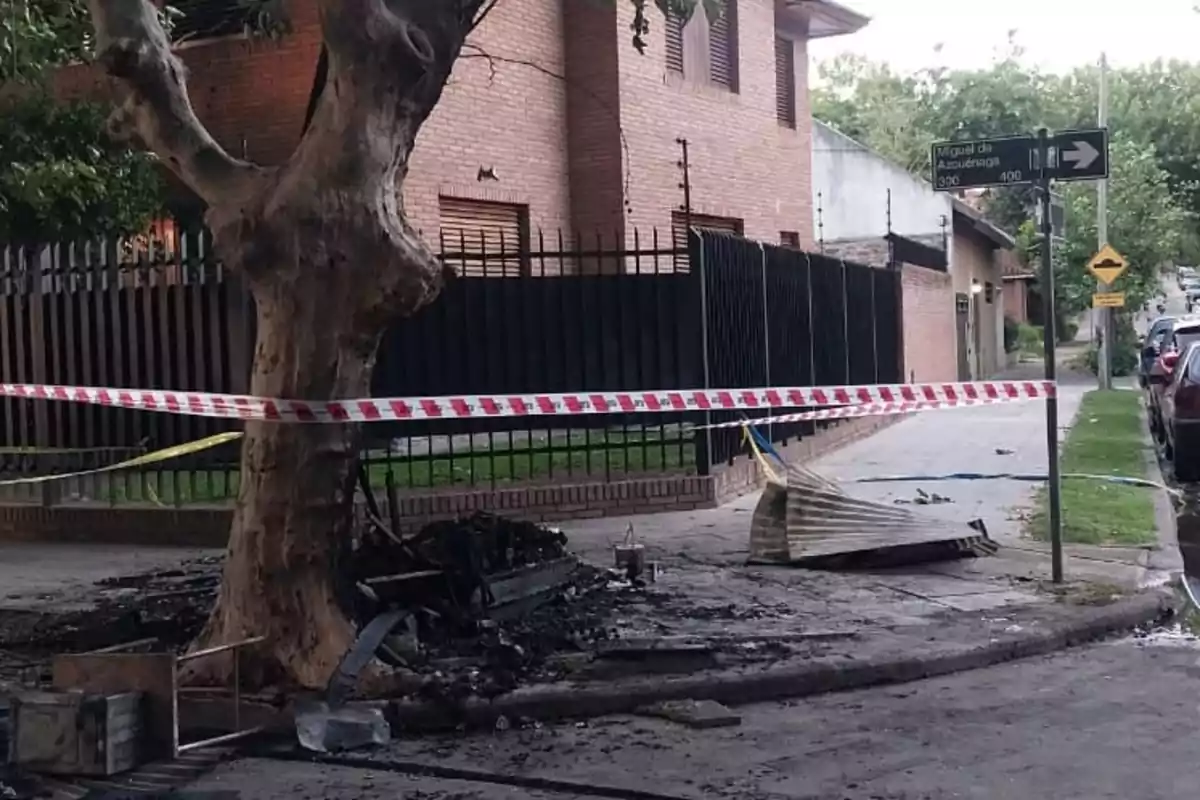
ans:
(979, 252)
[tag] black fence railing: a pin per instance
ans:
(780, 317)
(575, 316)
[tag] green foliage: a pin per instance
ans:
(1125, 350)
(1029, 339)
(1154, 192)
(1145, 223)
(36, 34)
(62, 177)
(1065, 330)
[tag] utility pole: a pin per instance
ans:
(1104, 362)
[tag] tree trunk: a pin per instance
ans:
(294, 506)
(324, 244)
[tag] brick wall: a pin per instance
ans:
(252, 97)
(1016, 300)
(556, 144)
(744, 163)
(930, 345)
(873, 252)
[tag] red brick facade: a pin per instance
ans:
(575, 123)
(930, 344)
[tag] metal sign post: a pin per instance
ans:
(1022, 160)
(1049, 337)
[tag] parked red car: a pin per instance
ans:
(1178, 376)
(1183, 332)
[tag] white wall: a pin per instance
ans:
(853, 183)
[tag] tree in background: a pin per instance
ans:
(1154, 202)
(61, 175)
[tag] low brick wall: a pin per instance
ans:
(208, 526)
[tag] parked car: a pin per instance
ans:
(1183, 273)
(1180, 411)
(1184, 332)
(1151, 345)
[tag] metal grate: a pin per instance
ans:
(705, 222)
(722, 47)
(785, 81)
(481, 237)
(674, 49)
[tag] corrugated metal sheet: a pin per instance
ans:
(812, 518)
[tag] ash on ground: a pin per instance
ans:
(492, 603)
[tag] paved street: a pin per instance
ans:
(1116, 720)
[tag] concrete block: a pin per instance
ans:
(699, 714)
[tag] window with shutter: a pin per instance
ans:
(705, 222)
(722, 47)
(483, 238)
(785, 82)
(674, 49)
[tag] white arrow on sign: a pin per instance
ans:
(1082, 156)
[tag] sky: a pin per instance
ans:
(1056, 34)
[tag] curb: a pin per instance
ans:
(800, 679)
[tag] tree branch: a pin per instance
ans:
(133, 48)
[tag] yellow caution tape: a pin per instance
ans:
(60, 451)
(158, 456)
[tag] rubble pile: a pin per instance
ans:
(484, 602)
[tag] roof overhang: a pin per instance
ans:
(972, 218)
(821, 18)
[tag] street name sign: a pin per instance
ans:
(1082, 155)
(1000, 161)
(1108, 300)
(1013, 160)
(1107, 265)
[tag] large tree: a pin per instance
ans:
(331, 259)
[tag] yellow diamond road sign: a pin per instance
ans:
(1108, 300)
(1107, 265)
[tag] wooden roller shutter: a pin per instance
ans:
(785, 81)
(674, 49)
(705, 222)
(484, 238)
(722, 47)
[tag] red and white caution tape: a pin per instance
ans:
(391, 409)
(868, 410)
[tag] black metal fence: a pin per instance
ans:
(725, 313)
(780, 317)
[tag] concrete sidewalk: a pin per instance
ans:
(1008, 438)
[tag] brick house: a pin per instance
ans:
(552, 120)
(953, 316)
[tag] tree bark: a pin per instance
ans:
(294, 506)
